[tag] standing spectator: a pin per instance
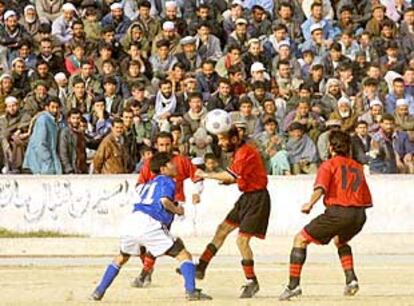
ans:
(403, 120)
(165, 103)
(41, 155)
(14, 125)
(99, 122)
(71, 145)
(303, 155)
(79, 99)
(208, 45)
(111, 156)
(130, 138)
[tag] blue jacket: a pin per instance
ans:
(41, 155)
(120, 28)
(327, 28)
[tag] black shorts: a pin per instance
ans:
(251, 213)
(344, 222)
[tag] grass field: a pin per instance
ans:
(65, 271)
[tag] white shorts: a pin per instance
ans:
(140, 230)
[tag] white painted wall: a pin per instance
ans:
(96, 205)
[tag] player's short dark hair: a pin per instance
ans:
(340, 142)
(160, 159)
(164, 135)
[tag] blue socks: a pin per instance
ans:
(188, 270)
(111, 272)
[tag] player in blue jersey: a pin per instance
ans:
(148, 226)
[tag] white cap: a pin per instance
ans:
(17, 59)
(68, 7)
(197, 161)
(253, 41)
(168, 26)
(170, 4)
(401, 102)
(237, 2)
(60, 76)
(29, 7)
(188, 40)
(9, 14)
(257, 66)
(5, 76)
(10, 100)
(375, 102)
(116, 6)
(316, 26)
(344, 100)
(241, 21)
(284, 43)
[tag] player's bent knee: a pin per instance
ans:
(183, 256)
(300, 241)
(176, 248)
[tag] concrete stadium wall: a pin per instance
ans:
(96, 205)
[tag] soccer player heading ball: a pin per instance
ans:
(341, 181)
(251, 211)
(148, 226)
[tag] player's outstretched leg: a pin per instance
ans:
(297, 260)
(144, 278)
(347, 262)
(111, 272)
(223, 230)
(188, 271)
(252, 285)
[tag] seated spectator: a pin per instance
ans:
(42, 73)
(350, 47)
(143, 125)
(146, 154)
(151, 25)
(404, 151)
(323, 140)
(79, 99)
(303, 156)
(361, 143)
(20, 77)
(189, 57)
(310, 121)
(271, 146)
(382, 148)
(165, 103)
(245, 113)
(233, 57)
(334, 59)
(61, 26)
(258, 96)
(373, 116)
(255, 53)
(258, 74)
(403, 120)
(93, 85)
(14, 125)
(104, 54)
(99, 123)
(162, 62)
(179, 144)
(208, 45)
(398, 92)
(41, 156)
(6, 89)
(288, 85)
(93, 28)
(237, 81)
(392, 60)
(111, 156)
(316, 43)
(207, 79)
(223, 99)
(345, 115)
(136, 35)
(280, 35)
(329, 101)
(169, 33)
(117, 19)
(193, 119)
(37, 99)
(73, 61)
(211, 163)
(285, 54)
(55, 62)
(269, 111)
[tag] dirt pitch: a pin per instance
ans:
(65, 271)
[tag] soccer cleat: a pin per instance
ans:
(250, 289)
(288, 293)
(200, 273)
(197, 295)
(96, 296)
(351, 289)
(143, 280)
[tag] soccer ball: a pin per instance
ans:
(218, 121)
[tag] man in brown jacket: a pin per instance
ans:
(112, 156)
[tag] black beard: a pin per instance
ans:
(167, 96)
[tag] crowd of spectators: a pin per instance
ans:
(86, 85)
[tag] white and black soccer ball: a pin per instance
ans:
(218, 121)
